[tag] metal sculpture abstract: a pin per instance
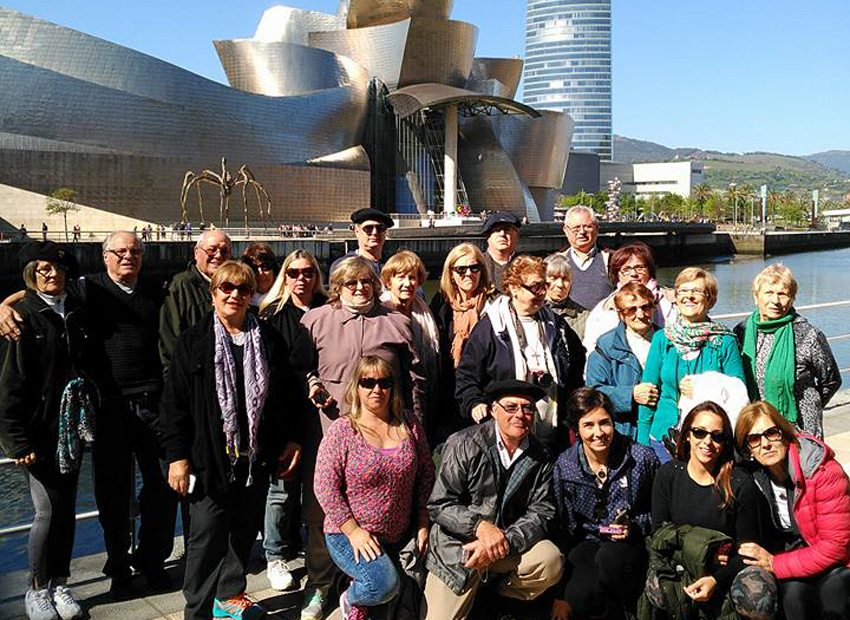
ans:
(225, 183)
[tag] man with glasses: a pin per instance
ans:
(188, 299)
(502, 232)
(492, 506)
(370, 228)
(589, 264)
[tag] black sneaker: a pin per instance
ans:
(158, 580)
(121, 588)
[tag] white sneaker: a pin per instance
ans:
(39, 606)
(66, 603)
(279, 576)
(314, 607)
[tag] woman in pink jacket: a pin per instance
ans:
(809, 496)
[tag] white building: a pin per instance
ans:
(653, 179)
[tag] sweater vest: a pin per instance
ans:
(590, 286)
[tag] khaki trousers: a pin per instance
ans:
(529, 575)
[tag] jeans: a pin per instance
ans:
(603, 575)
(824, 596)
(282, 516)
(375, 582)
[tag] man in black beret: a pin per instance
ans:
(502, 232)
(492, 508)
(370, 228)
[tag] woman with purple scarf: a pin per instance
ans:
(232, 415)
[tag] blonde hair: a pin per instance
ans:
(747, 418)
(235, 272)
(348, 268)
(382, 368)
(689, 274)
(404, 261)
(447, 283)
(776, 274)
(279, 293)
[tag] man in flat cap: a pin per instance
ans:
(370, 228)
(502, 232)
(492, 508)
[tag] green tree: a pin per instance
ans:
(60, 202)
(701, 193)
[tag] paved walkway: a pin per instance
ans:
(93, 588)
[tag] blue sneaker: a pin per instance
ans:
(239, 608)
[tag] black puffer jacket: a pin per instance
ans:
(50, 352)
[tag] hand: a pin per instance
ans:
(701, 589)
(288, 460)
(422, 540)
(26, 460)
(9, 323)
(755, 555)
(686, 386)
(645, 394)
(624, 532)
(317, 388)
(479, 412)
(364, 544)
(493, 539)
(561, 610)
(178, 477)
(478, 558)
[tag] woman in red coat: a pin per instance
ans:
(809, 496)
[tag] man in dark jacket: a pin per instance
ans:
(492, 508)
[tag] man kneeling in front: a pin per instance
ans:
(492, 509)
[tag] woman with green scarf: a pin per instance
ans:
(787, 360)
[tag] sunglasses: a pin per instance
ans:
(699, 434)
(536, 289)
(228, 287)
(374, 228)
(351, 285)
(645, 308)
(462, 270)
(773, 435)
(369, 383)
(307, 272)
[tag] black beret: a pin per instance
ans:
(513, 387)
(47, 251)
(500, 217)
(364, 215)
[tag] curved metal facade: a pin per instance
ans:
(363, 13)
(507, 71)
(438, 51)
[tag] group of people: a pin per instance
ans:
(564, 436)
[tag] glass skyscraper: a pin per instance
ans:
(568, 67)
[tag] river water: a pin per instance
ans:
(822, 277)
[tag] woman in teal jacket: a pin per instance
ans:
(690, 345)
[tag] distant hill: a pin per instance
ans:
(780, 172)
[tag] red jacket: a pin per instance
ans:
(821, 511)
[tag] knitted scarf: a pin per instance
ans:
(687, 337)
(466, 315)
(779, 368)
(76, 425)
(256, 373)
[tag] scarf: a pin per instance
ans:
(687, 337)
(779, 368)
(425, 332)
(465, 316)
(76, 425)
(256, 374)
(363, 308)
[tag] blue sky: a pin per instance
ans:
(730, 75)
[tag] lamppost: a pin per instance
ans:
(732, 190)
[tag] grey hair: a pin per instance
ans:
(580, 209)
(108, 241)
(29, 274)
(558, 265)
(203, 236)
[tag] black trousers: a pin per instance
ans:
(599, 573)
(120, 435)
(224, 529)
(826, 596)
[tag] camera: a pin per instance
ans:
(542, 379)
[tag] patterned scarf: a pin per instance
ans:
(688, 337)
(466, 315)
(256, 373)
(76, 425)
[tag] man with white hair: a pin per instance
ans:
(588, 263)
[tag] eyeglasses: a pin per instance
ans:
(228, 287)
(352, 285)
(696, 293)
(369, 383)
(462, 270)
(219, 249)
(580, 228)
(536, 289)
(632, 310)
(378, 229)
(638, 270)
(307, 272)
(122, 252)
(773, 434)
(262, 267)
(515, 409)
(46, 271)
(699, 434)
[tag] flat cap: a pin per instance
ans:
(364, 215)
(47, 251)
(513, 387)
(497, 218)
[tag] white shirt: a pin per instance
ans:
(639, 346)
(583, 262)
(504, 456)
(54, 302)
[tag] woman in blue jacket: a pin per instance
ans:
(690, 345)
(616, 364)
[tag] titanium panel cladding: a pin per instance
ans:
(538, 147)
(507, 70)
(438, 51)
(290, 25)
